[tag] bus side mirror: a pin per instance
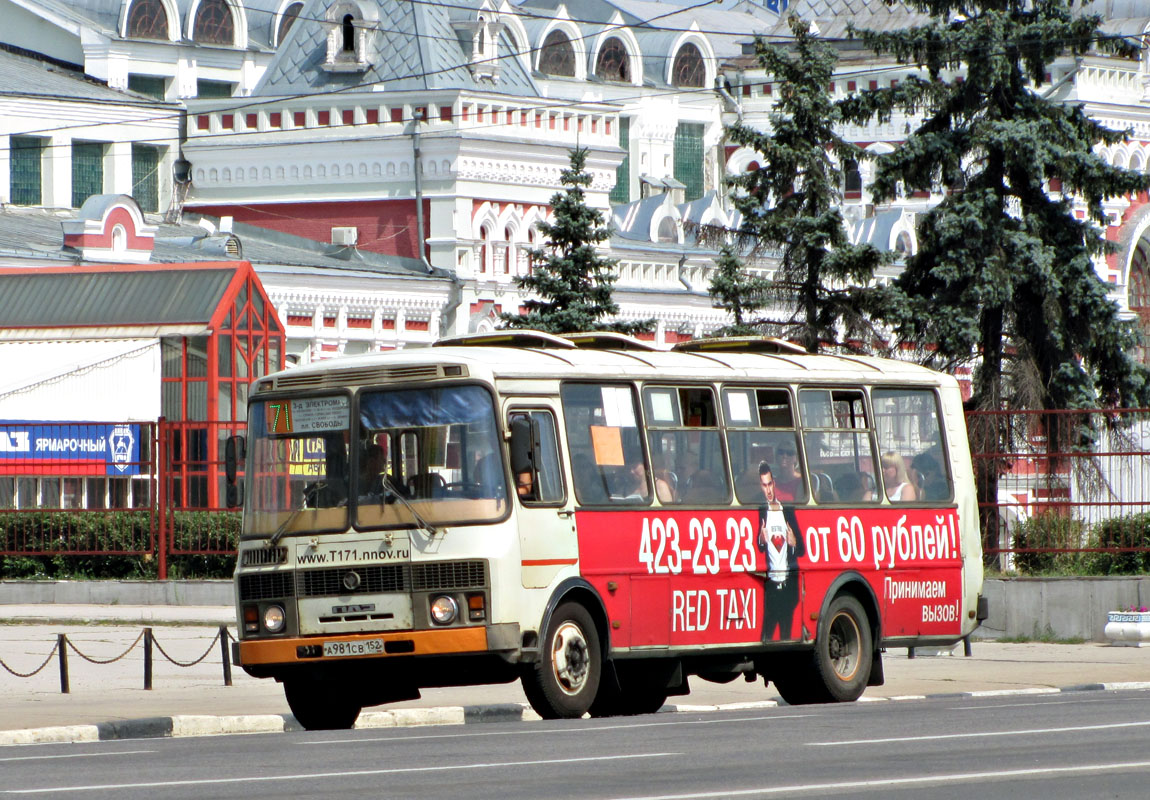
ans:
(235, 451)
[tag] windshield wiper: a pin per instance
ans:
(310, 492)
(389, 487)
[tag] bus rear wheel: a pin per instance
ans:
(838, 668)
(564, 682)
(318, 706)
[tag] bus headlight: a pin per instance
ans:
(273, 619)
(444, 610)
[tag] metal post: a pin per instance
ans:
(62, 652)
(910, 652)
(966, 646)
(162, 479)
(147, 658)
(225, 656)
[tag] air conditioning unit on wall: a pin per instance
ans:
(346, 237)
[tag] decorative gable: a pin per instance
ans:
(111, 228)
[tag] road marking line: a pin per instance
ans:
(982, 734)
(317, 775)
(77, 755)
(886, 782)
(1036, 704)
(589, 729)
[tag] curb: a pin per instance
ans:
(204, 725)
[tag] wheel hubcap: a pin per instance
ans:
(570, 658)
(843, 646)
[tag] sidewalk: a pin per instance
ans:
(194, 699)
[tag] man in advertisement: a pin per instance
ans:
(779, 541)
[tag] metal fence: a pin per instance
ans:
(1066, 481)
(150, 489)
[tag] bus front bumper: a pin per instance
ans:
(352, 647)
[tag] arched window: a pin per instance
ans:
(557, 57)
(1138, 296)
(291, 13)
(484, 249)
(614, 63)
(902, 244)
(668, 231)
(214, 23)
(689, 71)
(147, 20)
(348, 33)
(508, 235)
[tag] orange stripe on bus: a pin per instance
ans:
(283, 651)
(549, 562)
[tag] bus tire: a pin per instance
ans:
(843, 654)
(317, 706)
(565, 680)
(797, 681)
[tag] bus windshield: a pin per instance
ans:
(435, 451)
(298, 465)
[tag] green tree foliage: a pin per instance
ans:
(791, 203)
(737, 292)
(572, 282)
(1004, 276)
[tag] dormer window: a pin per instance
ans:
(214, 23)
(481, 37)
(346, 39)
(147, 19)
(688, 71)
(557, 56)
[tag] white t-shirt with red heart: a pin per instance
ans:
(775, 534)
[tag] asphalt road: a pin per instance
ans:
(1065, 746)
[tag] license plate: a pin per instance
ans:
(365, 647)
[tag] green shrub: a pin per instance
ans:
(120, 545)
(1043, 535)
(1118, 533)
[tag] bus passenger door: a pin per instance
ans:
(544, 508)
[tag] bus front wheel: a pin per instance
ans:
(565, 680)
(318, 706)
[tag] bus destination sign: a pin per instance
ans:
(308, 415)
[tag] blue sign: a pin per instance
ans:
(69, 448)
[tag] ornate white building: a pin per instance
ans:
(434, 135)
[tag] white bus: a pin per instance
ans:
(600, 520)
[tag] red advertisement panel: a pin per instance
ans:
(682, 577)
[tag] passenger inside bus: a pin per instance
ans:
(899, 489)
(525, 486)
(789, 481)
(589, 486)
(631, 479)
(373, 460)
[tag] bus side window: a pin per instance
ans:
(839, 445)
(909, 429)
(761, 430)
(545, 484)
(607, 461)
(686, 446)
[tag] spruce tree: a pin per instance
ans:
(737, 292)
(1004, 277)
(791, 203)
(571, 280)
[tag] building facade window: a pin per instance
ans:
(852, 178)
(287, 19)
(557, 56)
(214, 89)
(614, 62)
(26, 176)
(689, 159)
(146, 160)
(214, 23)
(621, 193)
(1138, 297)
(151, 85)
(689, 70)
(87, 171)
(147, 20)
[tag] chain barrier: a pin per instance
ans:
(63, 644)
(38, 669)
(112, 660)
(207, 653)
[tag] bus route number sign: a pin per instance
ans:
(307, 415)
